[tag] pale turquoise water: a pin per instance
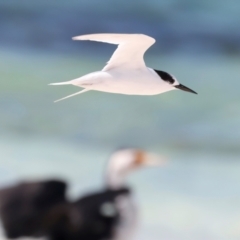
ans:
(196, 196)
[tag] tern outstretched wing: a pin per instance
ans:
(130, 51)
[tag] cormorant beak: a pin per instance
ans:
(152, 160)
(186, 89)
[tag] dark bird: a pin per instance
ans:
(41, 209)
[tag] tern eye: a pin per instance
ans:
(165, 76)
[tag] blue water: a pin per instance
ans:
(207, 26)
(196, 196)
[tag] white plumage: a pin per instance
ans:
(125, 72)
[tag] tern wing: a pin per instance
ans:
(130, 50)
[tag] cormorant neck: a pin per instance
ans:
(115, 179)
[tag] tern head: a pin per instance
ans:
(172, 82)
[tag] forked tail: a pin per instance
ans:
(60, 83)
(82, 91)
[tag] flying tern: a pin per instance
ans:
(125, 72)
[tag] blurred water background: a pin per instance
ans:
(197, 195)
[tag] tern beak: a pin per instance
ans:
(186, 89)
(153, 160)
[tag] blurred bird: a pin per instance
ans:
(126, 72)
(111, 213)
(123, 208)
(24, 208)
(40, 209)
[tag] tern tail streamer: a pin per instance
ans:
(82, 91)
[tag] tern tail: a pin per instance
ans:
(61, 83)
(82, 91)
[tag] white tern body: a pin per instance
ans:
(126, 72)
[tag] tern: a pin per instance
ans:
(125, 72)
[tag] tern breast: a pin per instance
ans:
(131, 82)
